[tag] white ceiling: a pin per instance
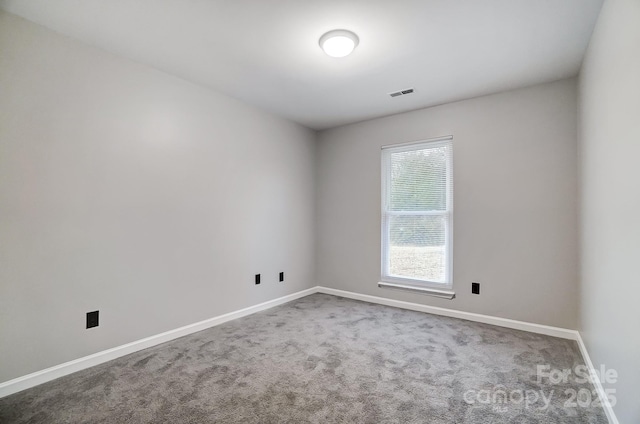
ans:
(266, 53)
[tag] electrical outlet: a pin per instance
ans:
(257, 279)
(282, 276)
(92, 319)
(475, 288)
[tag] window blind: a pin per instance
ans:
(417, 213)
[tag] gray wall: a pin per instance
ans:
(515, 185)
(610, 200)
(130, 191)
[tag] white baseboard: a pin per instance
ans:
(470, 316)
(48, 374)
(604, 401)
(39, 377)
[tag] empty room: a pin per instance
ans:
(336, 211)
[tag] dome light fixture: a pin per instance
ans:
(339, 42)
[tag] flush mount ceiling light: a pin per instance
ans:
(339, 42)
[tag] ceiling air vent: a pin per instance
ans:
(401, 92)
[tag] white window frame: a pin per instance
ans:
(439, 288)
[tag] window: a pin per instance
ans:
(417, 214)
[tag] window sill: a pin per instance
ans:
(444, 294)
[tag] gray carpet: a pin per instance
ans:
(321, 359)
